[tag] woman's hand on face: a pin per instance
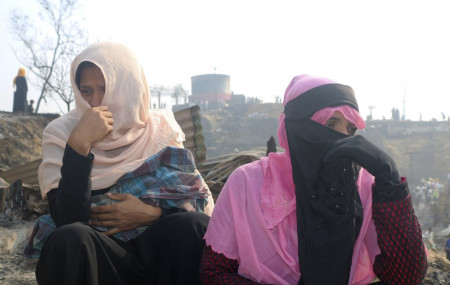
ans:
(95, 124)
(128, 214)
(367, 155)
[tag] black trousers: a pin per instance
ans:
(168, 252)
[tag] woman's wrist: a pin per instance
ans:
(153, 213)
(78, 145)
(391, 193)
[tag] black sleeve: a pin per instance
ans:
(391, 193)
(71, 201)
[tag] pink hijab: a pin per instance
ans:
(255, 221)
(138, 131)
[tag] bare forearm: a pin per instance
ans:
(151, 214)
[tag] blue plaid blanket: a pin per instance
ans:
(167, 179)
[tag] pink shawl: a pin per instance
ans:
(255, 220)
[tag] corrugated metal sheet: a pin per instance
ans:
(26, 172)
(189, 120)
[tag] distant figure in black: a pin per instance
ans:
(20, 95)
(30, 107)
(271, 145)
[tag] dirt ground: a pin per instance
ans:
(16, 269)
(438, 269)
(20, 142)
(20, 138)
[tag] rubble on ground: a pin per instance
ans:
(15, 269)
(215, 171)
(438, 269)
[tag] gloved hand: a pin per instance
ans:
(368, 156)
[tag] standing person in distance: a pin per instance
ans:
(20, 95)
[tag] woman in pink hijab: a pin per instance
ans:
(331, 209)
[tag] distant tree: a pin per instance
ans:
(395, 114)
(254, 100)
(158, 91)
(46, 48)
(175, 92)
(178, 91)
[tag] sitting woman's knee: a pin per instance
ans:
(194, 222)
(70, 233)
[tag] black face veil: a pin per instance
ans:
(329, 211)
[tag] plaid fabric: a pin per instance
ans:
(168, 179)
(43, 227)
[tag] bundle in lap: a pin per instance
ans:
(167, 179)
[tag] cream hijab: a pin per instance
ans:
(138, 132)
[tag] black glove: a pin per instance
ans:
(368, 156)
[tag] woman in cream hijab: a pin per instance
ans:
(112, 134)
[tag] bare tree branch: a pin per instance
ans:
(47, 48)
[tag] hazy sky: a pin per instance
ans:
(388, 51)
